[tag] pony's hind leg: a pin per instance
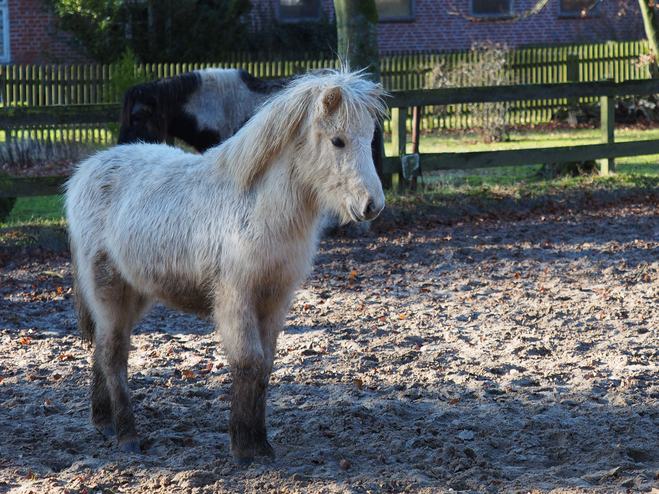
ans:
(116, 309)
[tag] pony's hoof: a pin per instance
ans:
(133, 447)
(108, 431)
(243, 461)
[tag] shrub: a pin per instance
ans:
(487, 67)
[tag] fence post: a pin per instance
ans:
(572, 75)
(607, 117)
(398, 142)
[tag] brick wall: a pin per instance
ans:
(438, 25)
(33, 38)
(446, 25)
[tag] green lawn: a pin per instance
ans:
(33, 210)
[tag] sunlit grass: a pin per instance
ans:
(44, 210)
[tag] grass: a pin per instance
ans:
(29, 210)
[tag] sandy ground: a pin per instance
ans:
(490, 356)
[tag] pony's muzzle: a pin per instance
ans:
(372, 209)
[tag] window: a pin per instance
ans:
(491, 8)
(395, 9)
(4, 31)
(579, 8)
(299, 10)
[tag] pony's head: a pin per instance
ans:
(322, 124)
(147, 109)
(343, 120)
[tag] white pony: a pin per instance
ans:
(230, 234)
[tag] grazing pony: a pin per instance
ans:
(229, 234)
(203, 107)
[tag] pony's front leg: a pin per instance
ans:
(238, 324)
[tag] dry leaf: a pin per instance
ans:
(24, 340)
(359, 383)
(226, 397)
(352, 275)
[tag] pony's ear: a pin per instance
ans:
(330, 99)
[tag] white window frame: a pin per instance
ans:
(316, 17)
(493, 15)
(5, 55)
(594, 12)
(410, 17)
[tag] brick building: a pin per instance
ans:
(432, 25)
(28, 34)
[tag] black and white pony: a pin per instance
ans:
(202, 108)
(230, 234)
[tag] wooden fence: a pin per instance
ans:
(22, 86)
(607, 151)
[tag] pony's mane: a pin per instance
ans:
(274, 126)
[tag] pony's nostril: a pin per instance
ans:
(370, 207)
(371, 210)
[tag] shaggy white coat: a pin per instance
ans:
(229, 234)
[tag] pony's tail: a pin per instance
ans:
(85, 321)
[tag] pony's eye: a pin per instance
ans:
(338, 142)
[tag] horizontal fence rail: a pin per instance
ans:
(32, 186)
(59, 115)
(523, 157)
(451, 96)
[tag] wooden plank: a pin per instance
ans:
(32, 186)
(523, 157)
(57, 115)
(448, 96)
(399, 143)
(607, 116)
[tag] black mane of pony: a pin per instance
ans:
(257, 85)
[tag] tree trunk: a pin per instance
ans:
(357, 30)
(651, 24)
(357, 33)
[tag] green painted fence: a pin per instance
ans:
(400, 101)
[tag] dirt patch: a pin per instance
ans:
(493, 356)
